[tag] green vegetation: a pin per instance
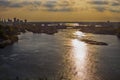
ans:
(8, 35)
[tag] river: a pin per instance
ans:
(62, 56)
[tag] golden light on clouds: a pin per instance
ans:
(61, 10)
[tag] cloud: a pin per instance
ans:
(60, 9)
(4, 3)
(99, 5)
(58, 6)
(105, 5)
(115, 4)
(99, 2)
(10, 4)
(50, 4)
(62, 5)
(115, 9)
(100, 9)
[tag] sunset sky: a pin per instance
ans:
(61, 10)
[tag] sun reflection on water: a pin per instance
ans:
(79, 34)
(79, 55)
(79, 63)
(79, 52)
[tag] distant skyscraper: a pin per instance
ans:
(1, 20)
(18, 20)
(21, 21)
(9, 21)
(15, 20)
(108, 21)
(25, 20)
(4, 20)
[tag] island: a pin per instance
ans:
(94, 42)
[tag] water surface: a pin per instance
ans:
(61, 56)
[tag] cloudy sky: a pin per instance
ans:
(61, 10)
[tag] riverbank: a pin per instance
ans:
(8, 35)
(99, 30)
(118, 32)
(42, 29)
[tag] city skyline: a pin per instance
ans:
(13, 20)
(61, 10)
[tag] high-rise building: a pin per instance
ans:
(15, 20)
(25, 20)
(9, 21)
(18, 20)
(4, 21)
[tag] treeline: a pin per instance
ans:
(101, 30)
(42, 29)
(8, 35)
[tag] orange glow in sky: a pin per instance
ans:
(61, 10)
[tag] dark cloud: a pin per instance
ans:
(99, 5)
(100, 9)
(9, 4)
(16, 5)
(50, 4)
(4, 3)
(60, 9)
(99, 2)
(55, 6)
(116, 4)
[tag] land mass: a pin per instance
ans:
(10, 30)
(8, 35)
(94, 42)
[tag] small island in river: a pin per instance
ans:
(94, 42)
